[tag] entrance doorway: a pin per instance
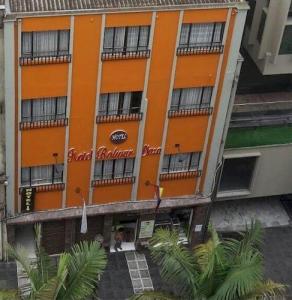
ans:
(124, 229)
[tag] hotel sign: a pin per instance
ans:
(118, 136)
(27, 199)
(102, 153)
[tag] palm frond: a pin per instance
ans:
(242, 278)
(266, 289)
(85, 263)
(151, 295)
(177, 264)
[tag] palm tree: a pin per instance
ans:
(227, 269)
(74, 277)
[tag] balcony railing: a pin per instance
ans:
(115, 55)
(187, 112)
(199, 49)
(44, 59)
(180, 175)
(114, 181)
(119, 118)
(43, 124)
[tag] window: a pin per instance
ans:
(290, 10)
(286, 45)
(126, 39)
(261, 27)
(250, 13)
(204, 35)
(43, 109)
(120, 103)
(191, 98)
(181, 162)
(40, 175)
(237, 173)
(45, 43)
(114, 168)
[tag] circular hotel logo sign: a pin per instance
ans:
(118, 136)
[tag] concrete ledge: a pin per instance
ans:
(112, 208)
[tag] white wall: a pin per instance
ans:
(273, 171)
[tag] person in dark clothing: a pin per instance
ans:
(119, 237)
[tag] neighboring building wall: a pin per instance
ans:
(271, 175)
(264, 34)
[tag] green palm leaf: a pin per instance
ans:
(177, 264)
(267, 289)
(85, 263)
(149, 295)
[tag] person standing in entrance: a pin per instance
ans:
(119, 237)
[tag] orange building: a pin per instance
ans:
(109, 102)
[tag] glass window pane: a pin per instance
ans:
(25, 174)
(64, 42)
(113, 104)
(61, 107)
(98, 170)
(103, 104)
(129, 167)
(26, 45)
(286, 45)
(165, 164)
(26, 111)
(119, 38)
(132, 38)
(45, 43)
(107, 169)
(119, 168)
(136, 98)
(144, 37)
(108, 39)
(58, 173)
(175, 99)
(195, 161)
(184, 35)
(207, 96)
(41, 175)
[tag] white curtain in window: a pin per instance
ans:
(201, 34)
(45, 43)
(64, 42)
(61, 108)
(129, 167)
(107, 169)
(175, 99)
(108, 39)
(207, 95)
(113, 104)
(26, 44)
(181, 161)
(98, 170)
(144, 37)
(119, 38)
(41, 175)
(190, 98)
(184, 35)
(43, 109)
(119, 168)
(132, 38)
(25, 176)
(26, 109)
(127, 103)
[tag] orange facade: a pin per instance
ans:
(87, 76)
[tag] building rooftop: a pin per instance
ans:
(30, 6)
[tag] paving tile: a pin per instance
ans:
(130, 256)
(137, 283)
(144, 273)
(147, 283)
(142, 265)
(132, 265)
(135, 274)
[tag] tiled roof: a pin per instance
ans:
(19, 6)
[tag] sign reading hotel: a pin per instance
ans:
(102, 153)
(27, 199)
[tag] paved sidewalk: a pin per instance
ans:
(8, 277)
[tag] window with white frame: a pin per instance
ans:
(120, 103)
(204, 35)
(126, 39)
(181, 162)
(114, 168)
(44, 109)
(45, 43)
(191, 98)
(39, 175)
